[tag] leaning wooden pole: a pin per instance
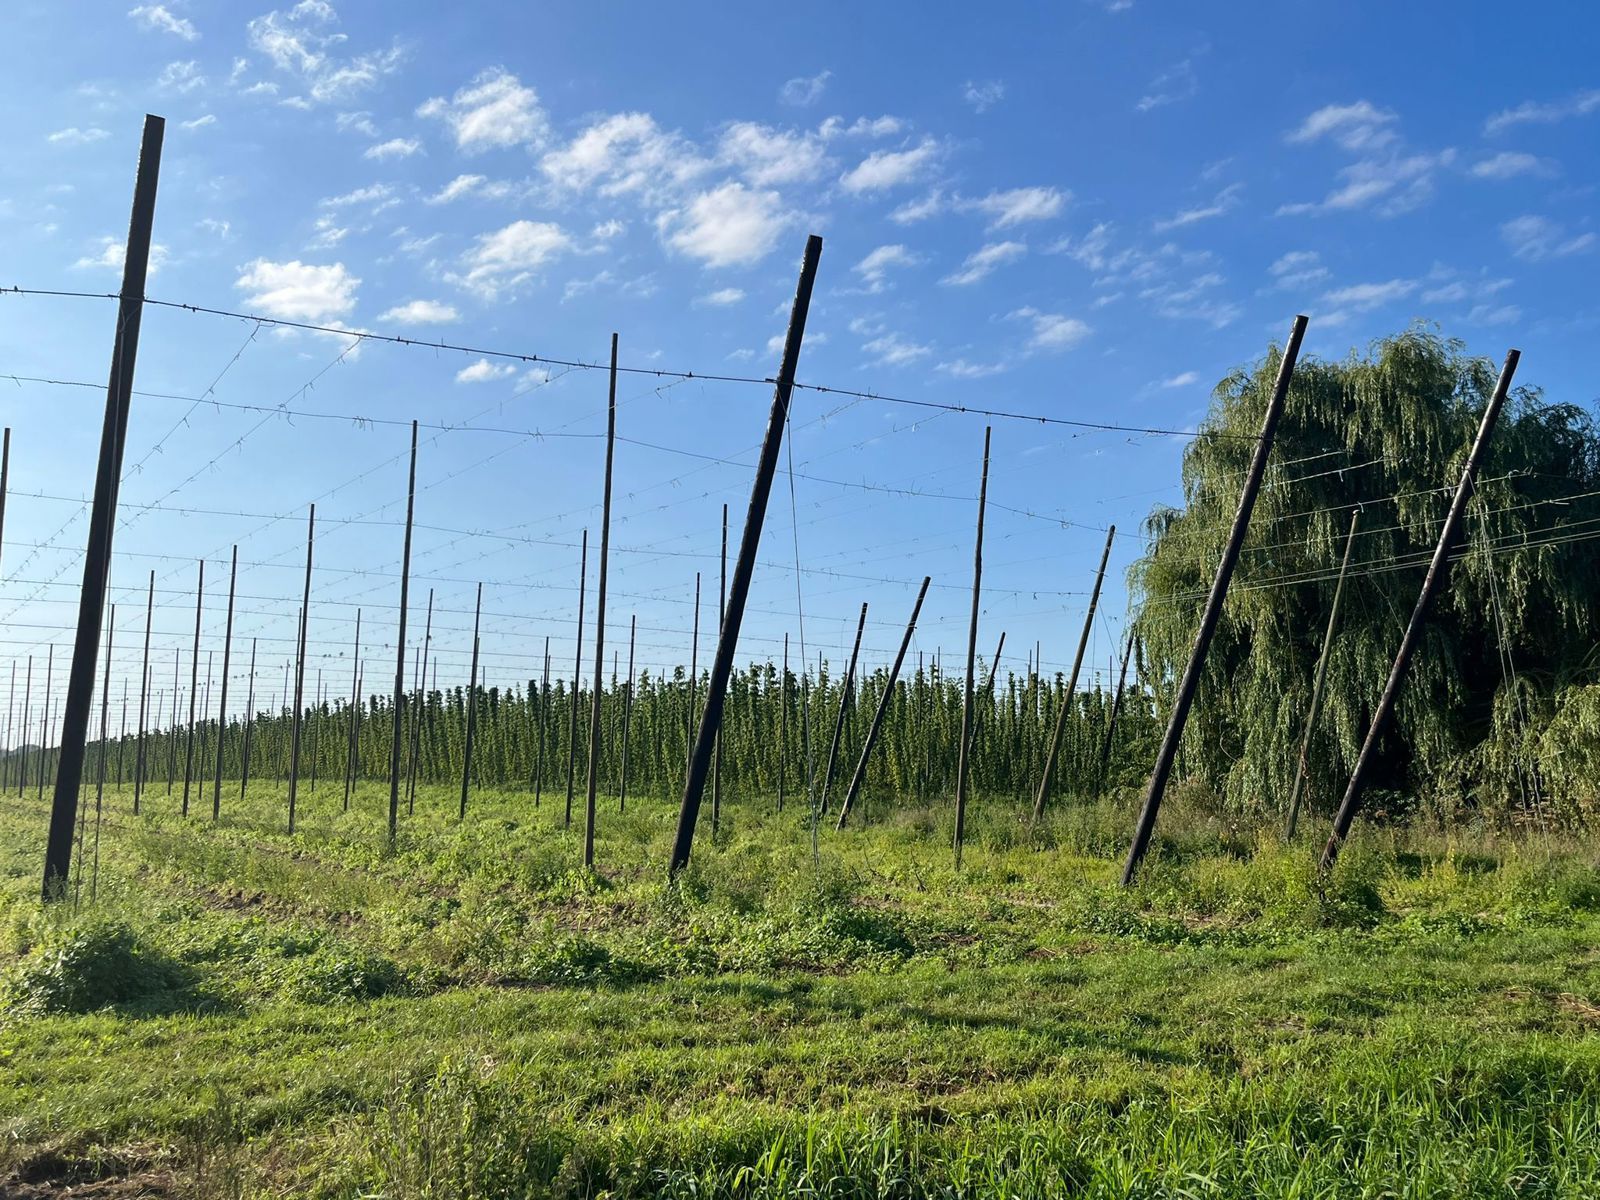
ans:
(1213, 610)
(846, 694)
(222, 704)
(728, 638)
(103, 515)
(600, 620)
(1072, 682)
(1303, 758)
(860, 776)
(398, 723)
(194, 686)
(297, 716)
(472, 708)
(1438, 570)
(1116, 709)
(144, 694)
(964, 751)
(577, 676)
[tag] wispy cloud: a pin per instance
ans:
(1051, 331)
(1361, 126)
(806, 90)
(1529, 112)
(1224, 201)
(393, 148)
(1508, 164)
(1535, 238)
(981, 97)
(1297, 269)
(1362, 296)
(981, 263)
(421, 312)
(875, 267)
(157, 18)
(1171, 86)
(885, 169)
(74, 136)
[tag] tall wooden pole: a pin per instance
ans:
(1072, 682)
(472, 707)
(144, 692)
(297, 717)
(422, 706)
(249, 724)
(103, 514)
(728, 638)
(27, 720)
(600, 619)
(627, 718)
(11, 746)
(1213, 610)
(44, 729)
(1302, 760)
(400, 647)
(1438, 571)
(544, 704)
(722, 615)
(846, 694)
(694, 681)
(355, 698)
(194, 686)
(964, 751)
(783, 722)
(577, 675)
(884, 701)
(222, 706)
(5, 481)
(172, 724)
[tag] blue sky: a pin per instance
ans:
(1085, 209)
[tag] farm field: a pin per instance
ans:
(246, 1013)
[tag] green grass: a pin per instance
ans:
(242, 1012)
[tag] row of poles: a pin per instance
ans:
(704, 752)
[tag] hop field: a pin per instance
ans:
(241, 1013)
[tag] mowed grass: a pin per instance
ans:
(243, 1012)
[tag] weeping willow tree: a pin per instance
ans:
(1510, 644)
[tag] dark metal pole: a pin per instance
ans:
(194, 685)
(577, 676)
(627, 718)
(727, 640)
(300, 672)
(249, 724)
(964, 751)
(884, 701)
(222, 706)
(846, 694)
(600, 619)
(1116, 709)
(1438, 569)
(144, 691)
(1072, 682)
(1213, 610)
(400, 647)
(1321, 677)
(472, 707)
(102, 515)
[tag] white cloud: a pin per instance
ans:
(875, 266)
(393, 148)
(200, 122)
(804, 91)
(298, 291)
(1018, 205)
(1508, 164)
(983, 96)
(1182, 379)
(892, 350)
(73, 136)
(1361, 126)
(111, 257)
(1170, 87)
(1536, 238)
(1393, 186)
(886, 169)
(379, 195)
(1457, 290)
(461, 185)
(867, 127)
(765, 156)
(913, 211)
(727, 226)
(960, 368)
(1194, 300)
(494, 111)
(1224, 201)
(1298, 269)
(421, 312)
(181, 77)
(1579, 104)
(484, 371)
(622, 154)
(353, 122)
(1051, 331)
(1494, 314)
(158, 19)
(723, 297)
(1362, 296)
(299, 43)
(509, 257)
(982, 262)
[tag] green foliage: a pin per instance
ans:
(1384, 435)
(93, 964)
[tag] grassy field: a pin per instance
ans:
(244, 1013)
